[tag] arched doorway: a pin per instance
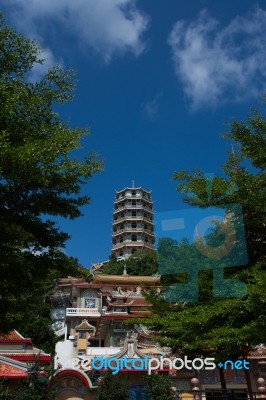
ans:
(72, 384)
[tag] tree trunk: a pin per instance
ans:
(222, 379)
(249, 386)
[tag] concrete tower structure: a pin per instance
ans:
(133, 227)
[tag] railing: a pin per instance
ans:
(134, 218)
(82, 312)
(133, 196)
(129, 229)
(129, 242)
(229, 394)
(102, 351)
(133, 206)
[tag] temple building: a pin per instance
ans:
(92, 320)
(16, 354)
(89, 318)
(133, 227)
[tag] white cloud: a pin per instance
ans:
(39, 70)
(151, 107)
(220, 64)
(107, 26)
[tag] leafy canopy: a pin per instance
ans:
(223, 327)
(113, 387)
(143, 262)
(40, 179)
(159, 386)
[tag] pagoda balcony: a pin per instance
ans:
(141, 229)
(133, 218)
(136, 196)
(83, 312)
(131, 243)
(133, 207)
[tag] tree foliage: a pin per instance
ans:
(36, 386)
(113, 387)
(159, 387)
(143, 262)
(40, 179)
(224, 327)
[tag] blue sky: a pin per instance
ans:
(157, 83)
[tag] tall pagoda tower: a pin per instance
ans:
(133, 226)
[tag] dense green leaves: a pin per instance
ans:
(40, 179)
(159, 387)
(113, 387)
(143, 262)
(223, 327)
(36, 387)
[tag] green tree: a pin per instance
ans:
(143, 262)
(36, 386)
(40, 179)
(159, 387)
(113, 387)
(225, 327)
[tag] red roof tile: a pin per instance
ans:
(85, 325)
(12, 335)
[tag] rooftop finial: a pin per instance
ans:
(133, 183)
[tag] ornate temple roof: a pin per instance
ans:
(12, 337)
(14, 346)
(85, 326)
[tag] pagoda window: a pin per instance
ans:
(134, 238)
(82, 335)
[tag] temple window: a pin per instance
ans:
(89, 298)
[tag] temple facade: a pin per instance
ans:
(89, 318)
